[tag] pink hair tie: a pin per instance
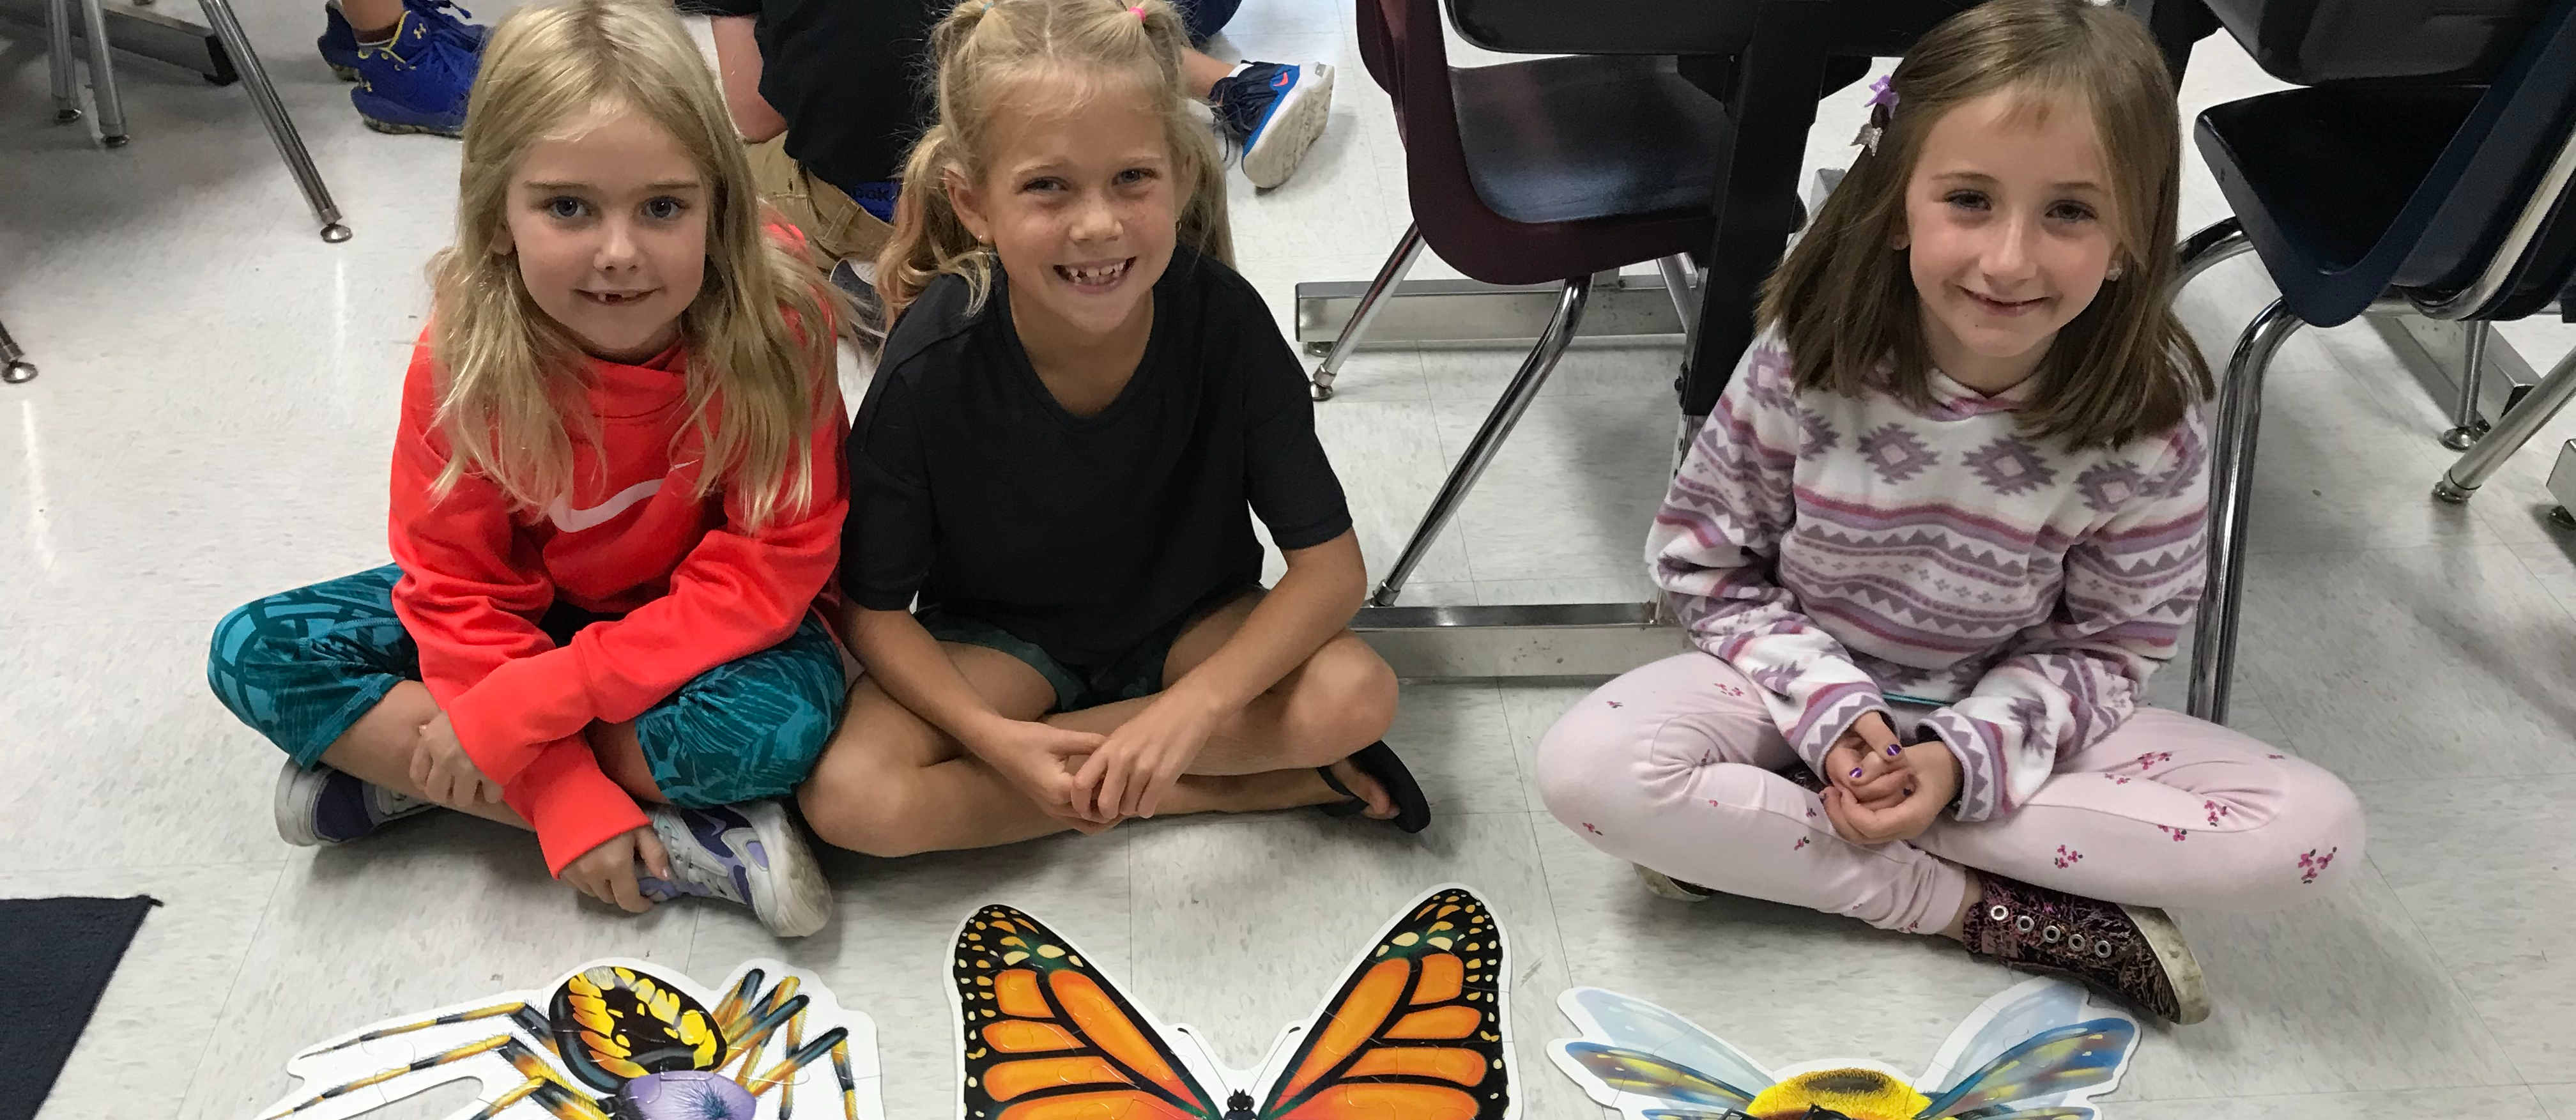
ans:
(1137, 11)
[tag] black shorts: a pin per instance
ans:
(1134, 672)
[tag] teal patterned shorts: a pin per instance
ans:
(301, 667)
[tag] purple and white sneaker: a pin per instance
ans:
(750, 854)
(326, 806)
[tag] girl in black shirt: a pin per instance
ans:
(1050, 555)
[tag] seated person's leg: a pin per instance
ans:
(710, 763)
(1271, 754)
(413, 60)
(836, 226)
(893, 784)
(328, 674)
(1272, 112)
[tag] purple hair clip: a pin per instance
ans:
(1882, 105)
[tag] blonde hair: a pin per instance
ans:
(1089, 47)
(758, 334)
(2124, 368)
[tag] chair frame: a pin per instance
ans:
(2240, 408)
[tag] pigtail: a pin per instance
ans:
(929, 238)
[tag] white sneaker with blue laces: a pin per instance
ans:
(1272, 112)
(751, 854)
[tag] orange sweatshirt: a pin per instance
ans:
(686, 584)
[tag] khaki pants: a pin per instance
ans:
(833, 224)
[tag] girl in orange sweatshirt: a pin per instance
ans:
(617, 493)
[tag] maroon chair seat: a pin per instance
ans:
(1545, 171)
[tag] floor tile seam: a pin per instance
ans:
(232, 985)
(2232, 1098)
(49, 869)
(1547, 891)
(2538, 578)
(2450, 974)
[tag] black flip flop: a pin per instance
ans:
(1377, 760)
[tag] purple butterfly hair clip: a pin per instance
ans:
(1882, 105)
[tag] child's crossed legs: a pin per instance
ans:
(891, 783)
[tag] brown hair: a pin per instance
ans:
(2124, 369)
(757, 333)
(1090, 47)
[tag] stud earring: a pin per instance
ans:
(2115, 272)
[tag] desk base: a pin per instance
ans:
(1572, 640)
(1420, 311)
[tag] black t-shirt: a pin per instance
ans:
(850, 76)
(972, 486)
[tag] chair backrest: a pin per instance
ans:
(2505, 172)
(1402, 42)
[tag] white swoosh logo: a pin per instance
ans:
(572, 520)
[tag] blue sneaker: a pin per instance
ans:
(339, 41)
(417, 83)
(750, 854)
(1273, 112)
(326, 806)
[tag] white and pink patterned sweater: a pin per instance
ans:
(1841, 550)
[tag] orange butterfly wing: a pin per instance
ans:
(1048, 1038)
(1416, 1032)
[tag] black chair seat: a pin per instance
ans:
(2321, 176)
(1575, 139)
(2352, 192)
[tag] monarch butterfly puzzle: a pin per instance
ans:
(612, 1040)
(2037, 1051)
(1418, 1030)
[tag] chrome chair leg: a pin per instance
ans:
(14, 369)
(2207, 246)
(2231, 486)
(102, 76)
(2466, 426)
(281, 128)
(59, 62)
(2514, 429)
(1683, 285)
(1489, 439)
(1373, 301)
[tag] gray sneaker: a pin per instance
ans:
(750, 854)
(326, 806)
(1665, 886)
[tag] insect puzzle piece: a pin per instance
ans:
(2037, 1051)
(612, 1040)
(1417, 1031)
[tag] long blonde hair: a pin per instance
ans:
(2124, 368)
(1089, 47)
(758, 336)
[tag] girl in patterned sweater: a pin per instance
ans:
(1944, 521)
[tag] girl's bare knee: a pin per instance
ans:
(1343, 699)
(859, 815)
(859, 795)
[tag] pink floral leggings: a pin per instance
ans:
(1673, 767)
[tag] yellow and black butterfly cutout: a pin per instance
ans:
(1417, 1031)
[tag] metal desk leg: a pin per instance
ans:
(2516, 428)
(1773, 103)
(281, 128)
(13, 367)
(58, 60)
(2231, 488)
(102, 76)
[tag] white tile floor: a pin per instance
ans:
(211, 425)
